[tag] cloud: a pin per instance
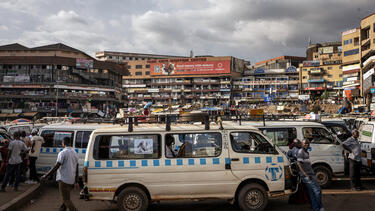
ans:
(251, 29)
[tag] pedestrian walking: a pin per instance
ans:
(16, 149)
(352, 145)
(67, 173)
(36, 144)
(308, 177)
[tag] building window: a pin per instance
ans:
(340, 75)
(138, 66)
(304, 77)
(147, 66)
(329, 76)
(329, 68)
(304, 69)
(129, 67)
(147, 72)
(138, 73)
(356, 41)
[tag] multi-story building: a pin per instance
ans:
(368, 59)
(351, 59)
(275, 79)
(57, 80)
(166, 80)
(321, 72)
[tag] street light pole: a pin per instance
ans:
(57, 85)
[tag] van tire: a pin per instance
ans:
(323, 176)
(252, 197)
(132, 199)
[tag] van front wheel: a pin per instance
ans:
(252, 197)
(323, 176)
(132, 199)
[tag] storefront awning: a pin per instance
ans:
(29, 114)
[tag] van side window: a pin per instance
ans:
(247, 142)
(120, 147)
(193, 145)
(317, 135)
(82, 139)
(280, 136)
(54, 138)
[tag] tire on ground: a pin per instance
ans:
(252, 197)
(323, 176)
(132, 199)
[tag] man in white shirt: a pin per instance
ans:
(67, 173)
(36, 142)
(16, 148)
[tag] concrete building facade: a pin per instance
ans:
(322, 73)
(275, 79)
(57, 80)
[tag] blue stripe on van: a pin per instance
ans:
(84, 151)
(180, 162)
(76, 150)
(47, 149)
(133, 163)
(280, 159)
(109, 163)
(144, 163)
(268, 159)
(246, 160)
(156, 163)
(227, 161)
(54, 150)
(120, 163)
(191, 162)
(215, 161)
(97, 164)
(86, 164)
(168, 163)
(41, 149)
(257, 159)
(203, 161)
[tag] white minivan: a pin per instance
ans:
(232, 162)
(367, 140)
(325, 149)
(53, 136)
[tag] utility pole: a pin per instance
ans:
(57, 84)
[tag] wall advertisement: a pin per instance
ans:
(324, 50)
(190, 68)
(85, 63)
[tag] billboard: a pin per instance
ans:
(190, 67)
(84, 63)
(324, 50)
(313, 63)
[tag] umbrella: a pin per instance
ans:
(148, 105)
(20, 120)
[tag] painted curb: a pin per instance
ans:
(22, 199)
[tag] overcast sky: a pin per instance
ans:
(254, 30)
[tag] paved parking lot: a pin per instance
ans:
(338, 197)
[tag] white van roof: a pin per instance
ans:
(174, 127)
(282, 123)
(70, 126)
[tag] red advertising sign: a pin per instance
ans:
(190, 67)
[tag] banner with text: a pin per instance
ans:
(191, 68)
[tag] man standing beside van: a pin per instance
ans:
(67, 173)
(353, 146)
(308, 177)
(16, 149)
(37, 142)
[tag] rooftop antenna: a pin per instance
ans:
(191, 54)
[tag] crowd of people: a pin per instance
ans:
(308, 190)
(18, 158)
